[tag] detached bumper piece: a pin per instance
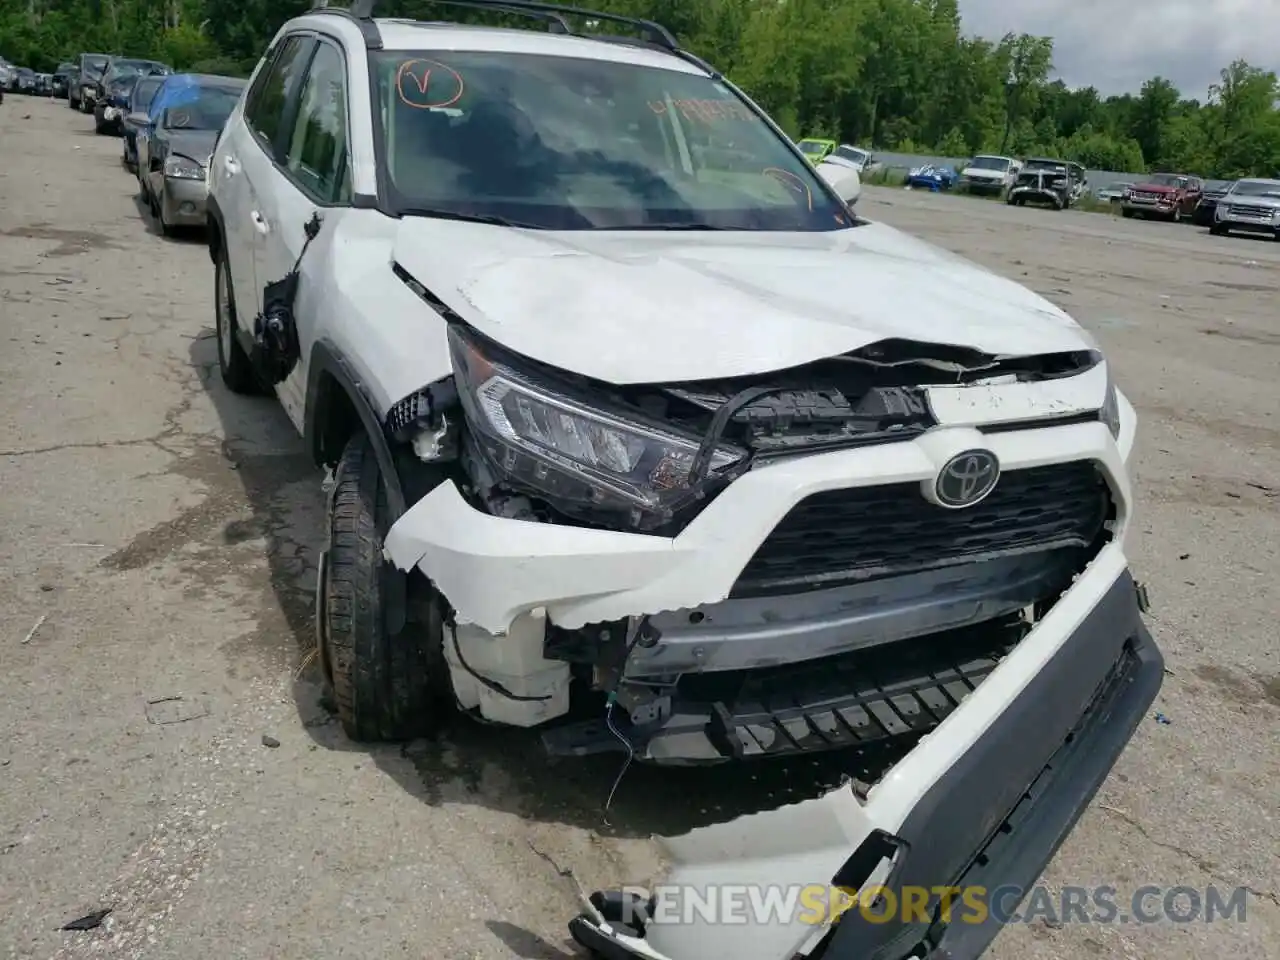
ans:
(862, 699)
(1059, 739)
(997, 816)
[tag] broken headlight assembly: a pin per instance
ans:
(183, 168)
(585, 461)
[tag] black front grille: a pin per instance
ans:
(866, 533)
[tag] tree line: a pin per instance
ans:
(889, 74)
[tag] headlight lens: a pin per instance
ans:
(183, 168)
(584, 461)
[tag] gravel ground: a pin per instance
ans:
(162, 535)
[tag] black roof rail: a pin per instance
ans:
(555, 20)
(360, 12)
(655, 32)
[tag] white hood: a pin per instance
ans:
(657, 307)
(983, 173)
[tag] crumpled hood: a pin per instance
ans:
(642, 307)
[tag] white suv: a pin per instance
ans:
(643, 437)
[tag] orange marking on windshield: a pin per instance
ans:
(414, 84)
(792, 183)
(704, 111)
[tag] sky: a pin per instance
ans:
(1116, 46)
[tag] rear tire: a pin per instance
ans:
(387, 688)
(1218, 230)
(1127, 214)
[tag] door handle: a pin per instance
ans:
(231, 165)
(259, 222)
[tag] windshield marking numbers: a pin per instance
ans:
(707, 111)
(413, 84)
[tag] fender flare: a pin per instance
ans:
(216, 237)
(327, 360)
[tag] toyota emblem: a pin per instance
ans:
(967, 479)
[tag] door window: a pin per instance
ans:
(265, 104)
(316, 154)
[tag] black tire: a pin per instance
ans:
(386, 687)
(1126, 213)
(1218, 230)
(237, 372)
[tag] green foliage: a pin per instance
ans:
(893, 74)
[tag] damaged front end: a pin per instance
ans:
(702, 572)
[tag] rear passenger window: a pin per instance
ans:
(316, 154)
(265, 104)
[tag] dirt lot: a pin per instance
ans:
(162, 533)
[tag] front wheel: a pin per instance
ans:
(1218, 230)
(387, 687)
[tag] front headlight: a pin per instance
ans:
(183, 168)
(584, 461)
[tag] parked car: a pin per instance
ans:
(1168, 196)
(113, 77)
(62, 79)
(1045, 180)
(44, 84)
(136, 117)
(109, 110)
(855, 158)
(8, 73)
(1113, 192)
(1251, 206)
(932, 177)
(816, 149)
(1212, 192)
(183, 122)
(25, 81)
(559, 501)
(73, 87)
(92, 67)
(989, 174)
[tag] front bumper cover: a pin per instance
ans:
(183, 202)
(994, 816)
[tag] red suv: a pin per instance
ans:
(1169, 196)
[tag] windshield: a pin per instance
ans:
(566, 143)
(1166, 180)
(851, 153)
(990, 163)
(93, 64)
(1257, 188)
(131, 68)
(145, 92)
(202, 108)
(812, 146)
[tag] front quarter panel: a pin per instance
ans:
(393, 340)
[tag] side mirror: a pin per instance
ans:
(139, 119)
(843, 180)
